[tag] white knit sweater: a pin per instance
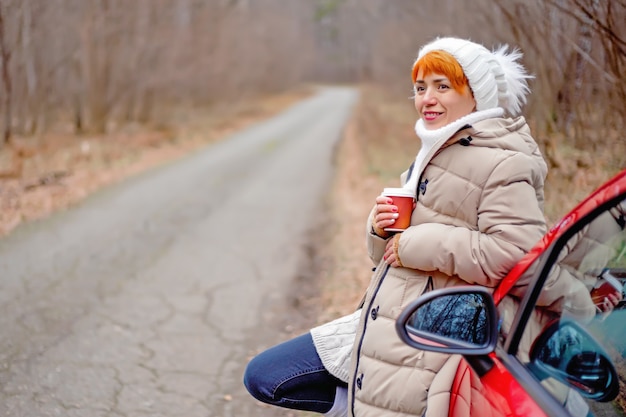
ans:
(333, 342)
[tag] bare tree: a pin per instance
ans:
(5, 57)
(103, 63)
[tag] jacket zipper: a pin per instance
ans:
(358, 356)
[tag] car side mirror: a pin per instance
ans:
(568, 353)
(459, 320)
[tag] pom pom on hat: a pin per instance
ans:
(495, 77)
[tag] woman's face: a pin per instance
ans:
(438, 103)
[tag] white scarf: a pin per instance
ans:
(432, 140)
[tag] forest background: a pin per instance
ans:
(92, 91)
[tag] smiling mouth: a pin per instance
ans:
(431, 115)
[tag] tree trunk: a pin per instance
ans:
(34, 105)
(5, 57)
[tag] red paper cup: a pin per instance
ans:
(606, 285)
(404, 200)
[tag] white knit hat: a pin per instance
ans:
(495, 77)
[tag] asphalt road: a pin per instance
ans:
(148, 298)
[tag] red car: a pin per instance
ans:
(571, 364)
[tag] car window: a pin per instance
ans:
(574, 341)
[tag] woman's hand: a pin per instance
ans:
(609, 302)
(391, 252)
(385, 215)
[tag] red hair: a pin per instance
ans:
(441, 62)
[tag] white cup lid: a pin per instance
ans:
(608, 277)
(398, 192)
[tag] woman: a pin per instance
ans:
(478, 181)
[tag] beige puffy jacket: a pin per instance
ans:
(479, 210)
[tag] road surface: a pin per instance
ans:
(148, 298)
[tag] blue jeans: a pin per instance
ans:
(291, 375)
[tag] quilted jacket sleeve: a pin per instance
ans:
(375, 244)
(510, 222)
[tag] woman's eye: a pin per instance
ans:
(419, 89)
(443, 86)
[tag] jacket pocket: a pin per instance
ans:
(414, 287)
